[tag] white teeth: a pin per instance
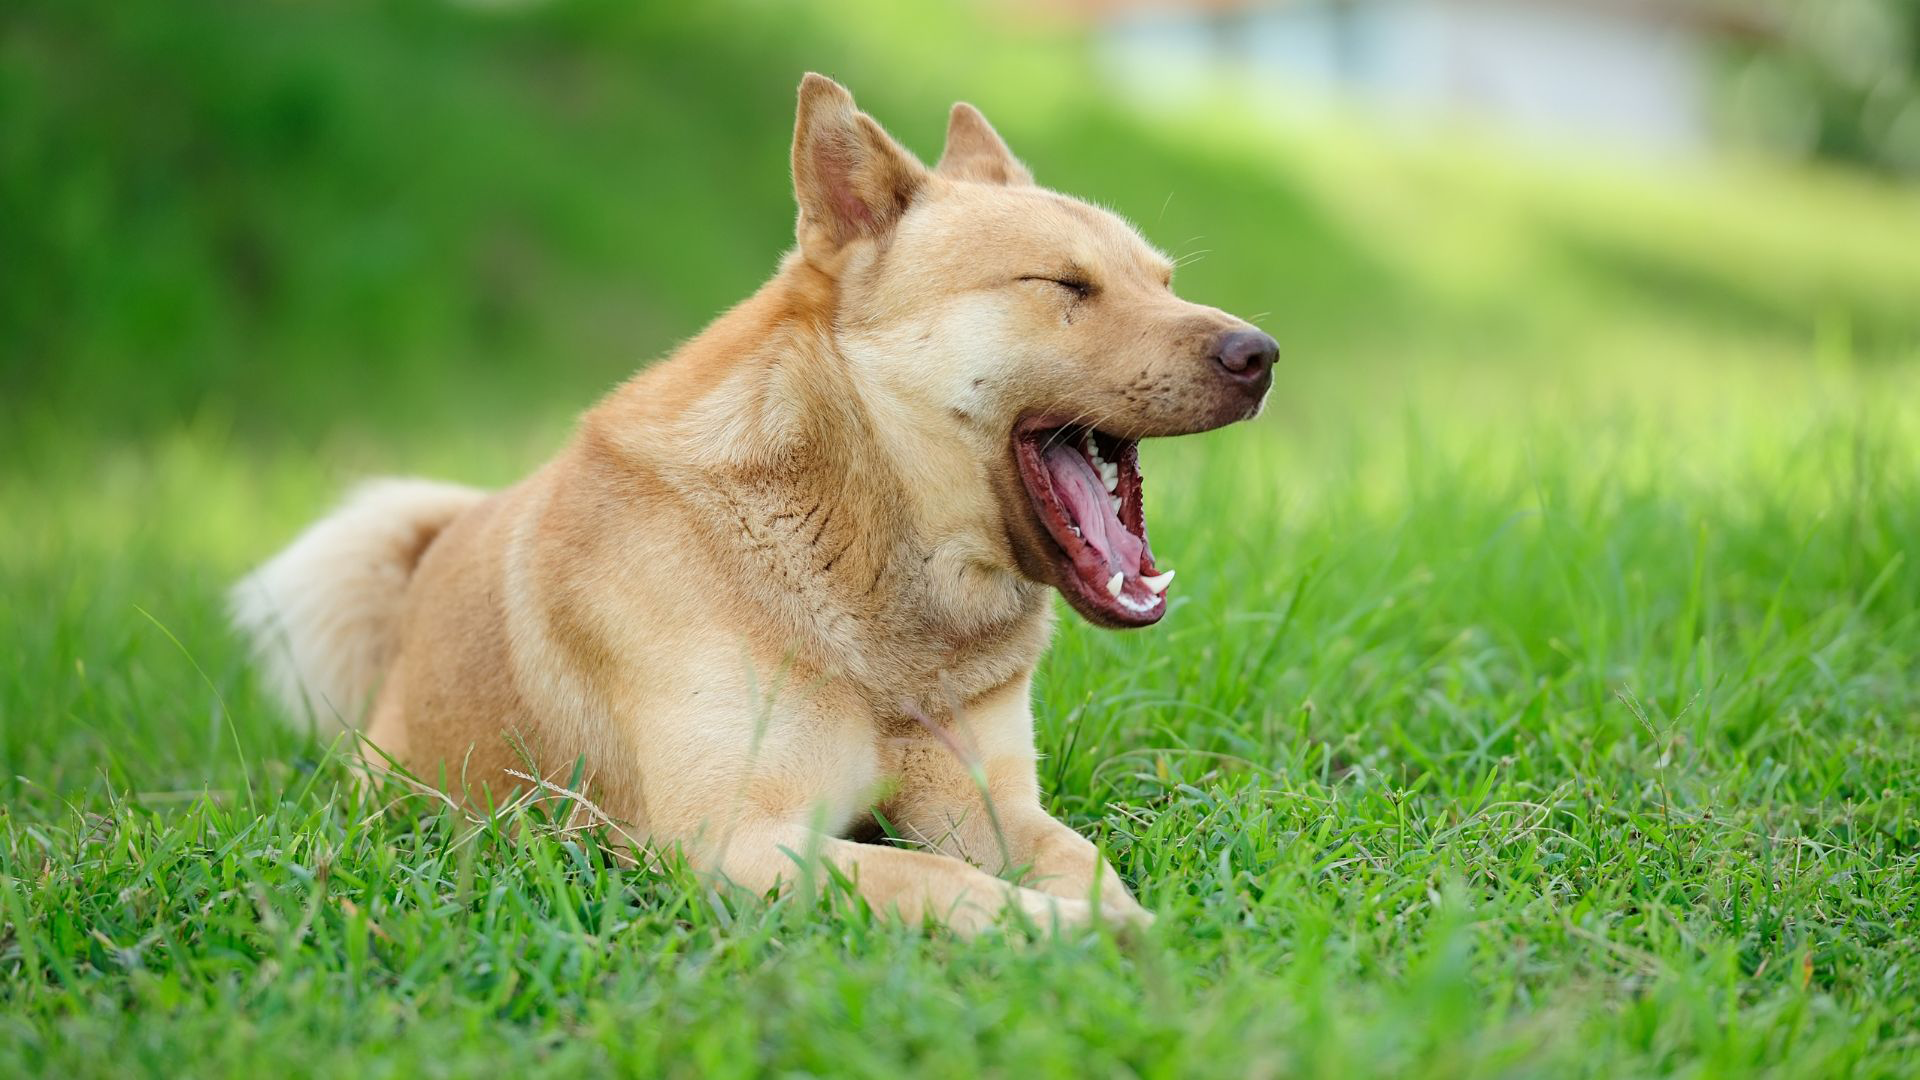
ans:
(1141, 607)
(1115, 500)
(1110, 473)
(1158, 583)
(1114, 583)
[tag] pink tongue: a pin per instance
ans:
(1085, 496)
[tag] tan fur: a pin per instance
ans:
(324, 615)
(790, 575)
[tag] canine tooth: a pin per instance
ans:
(1158, 583)
(1114, 583)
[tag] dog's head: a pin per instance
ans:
(1034, 334)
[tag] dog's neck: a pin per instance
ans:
(881, 551)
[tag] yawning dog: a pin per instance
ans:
(797, 572)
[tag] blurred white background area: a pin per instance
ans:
(1659, 79)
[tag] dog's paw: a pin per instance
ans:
(1126, 918)
(1053, 916)
(1049, 916)
(1056, 916)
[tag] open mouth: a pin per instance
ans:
(1085, 488)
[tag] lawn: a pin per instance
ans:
(1541, 696)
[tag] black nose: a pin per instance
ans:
(1245, 354)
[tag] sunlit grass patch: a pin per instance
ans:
(1593, 736)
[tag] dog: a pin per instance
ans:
(796, 575)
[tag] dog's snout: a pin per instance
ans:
(1246, 355)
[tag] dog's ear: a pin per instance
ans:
(976, 152)
(850, 178)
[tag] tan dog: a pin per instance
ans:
(798, 571)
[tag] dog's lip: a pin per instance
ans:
(1079, 571)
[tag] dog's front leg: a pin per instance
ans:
(1018, 837)
(972, 792)
(915, 885)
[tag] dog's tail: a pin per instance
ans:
(323, 616)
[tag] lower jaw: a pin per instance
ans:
(1099, 607)
(1108, 618)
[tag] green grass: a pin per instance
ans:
(1541, 696)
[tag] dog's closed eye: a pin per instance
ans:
(1079, 287)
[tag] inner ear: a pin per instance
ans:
(976, 152)
(849, 176)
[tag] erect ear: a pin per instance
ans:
(850, 178)
(976, 152)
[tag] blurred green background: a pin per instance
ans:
(284, 218)
(1590, 486)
